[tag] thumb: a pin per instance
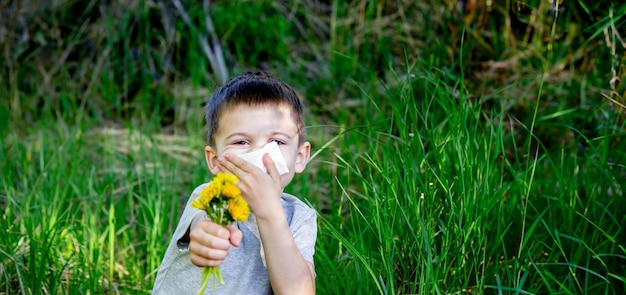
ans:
(235, 235)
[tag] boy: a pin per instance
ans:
(272, 252)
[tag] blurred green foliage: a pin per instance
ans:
(123, 59)
(254, 32)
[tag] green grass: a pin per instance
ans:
(86, 211)
(455, 150)
(436, 206)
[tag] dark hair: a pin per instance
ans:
(252, 89)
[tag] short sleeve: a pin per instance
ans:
(303, 227)
(185, 221)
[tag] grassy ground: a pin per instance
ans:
(460, 147)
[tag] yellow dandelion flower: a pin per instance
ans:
(197, 204)
(230, 178)
(206, 195)
(230, 191)
(216, 186)
(224, 178)
(211, 191)
(238, 209)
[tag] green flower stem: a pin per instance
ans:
(206, 272)
(217, 216)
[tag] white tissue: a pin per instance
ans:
(271, 148)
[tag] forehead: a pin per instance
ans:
(277, 110)
(246, 118)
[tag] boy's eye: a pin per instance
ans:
(240, 142)
(278, 141)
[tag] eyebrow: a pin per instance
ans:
(244, 134)
(284, 134)
(237, 134)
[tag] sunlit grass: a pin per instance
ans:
(422, 197)
(89, 210)
(437, 206)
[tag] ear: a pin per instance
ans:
(304, 151)
(211, 159)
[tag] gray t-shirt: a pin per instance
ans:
(244, 269)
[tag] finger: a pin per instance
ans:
(213, 229)
(226, 165)
(235, 164)
(211, 235)
(206, 256)
(207, 253)
(235, 235)
(270, 166)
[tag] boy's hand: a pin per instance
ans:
(288, 272)
(209, 242)
(261, 190)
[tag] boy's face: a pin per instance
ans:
(243, 129)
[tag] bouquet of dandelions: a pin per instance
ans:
(222, 201)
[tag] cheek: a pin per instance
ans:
(285, 179)
(232, 151)
(289, 154)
